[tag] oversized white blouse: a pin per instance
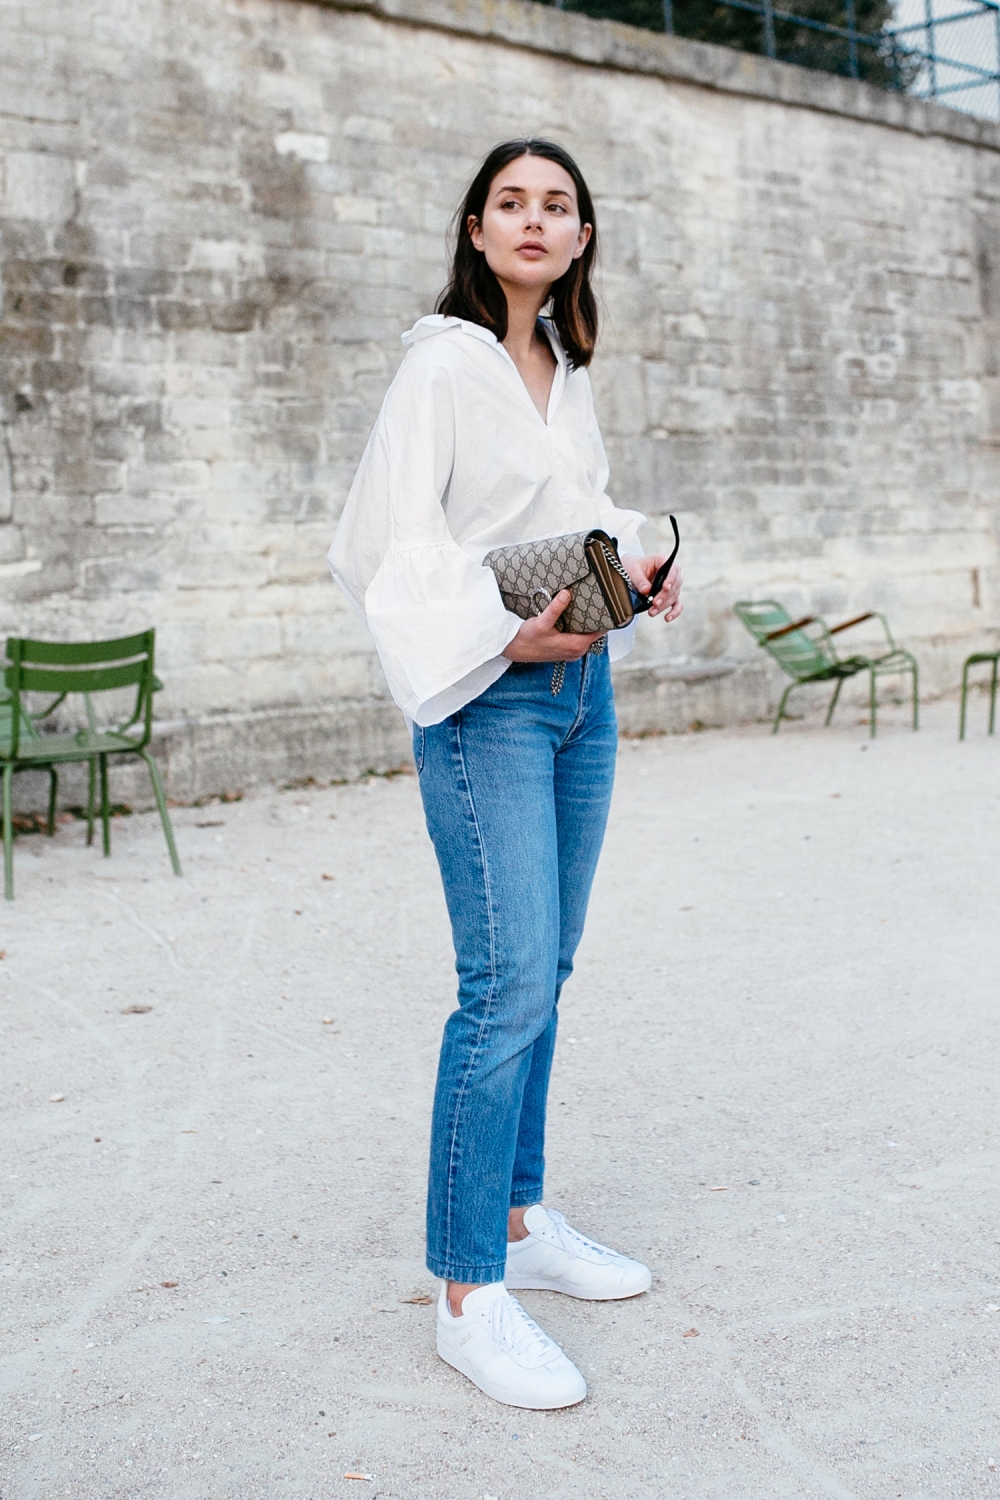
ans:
(460, 461)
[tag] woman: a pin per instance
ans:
(488, 437)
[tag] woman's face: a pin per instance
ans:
(530, 231)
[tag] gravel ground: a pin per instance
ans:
(776, 1082)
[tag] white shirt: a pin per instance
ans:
(460, 461)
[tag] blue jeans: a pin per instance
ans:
(516, 788)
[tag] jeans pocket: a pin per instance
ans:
(418, 748)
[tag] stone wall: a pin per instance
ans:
(217, 217)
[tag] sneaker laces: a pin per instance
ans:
(513, 1330)
(573, 1242)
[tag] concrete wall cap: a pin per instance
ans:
(630, 49)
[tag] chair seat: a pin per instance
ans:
(897, 658)
(827, 674)
(53, 749)
(848, 666)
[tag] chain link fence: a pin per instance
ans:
(948, 50)
(958, 47)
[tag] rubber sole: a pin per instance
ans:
(457, 1363)
(540, 1284)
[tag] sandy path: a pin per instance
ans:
(776, 1081)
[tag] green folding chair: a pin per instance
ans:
(87, 668)
(975, 660)
(805, 650)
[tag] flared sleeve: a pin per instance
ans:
(434, 612)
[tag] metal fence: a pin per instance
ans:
(958, 47)
(948, 50)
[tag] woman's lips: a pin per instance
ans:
(532, 249)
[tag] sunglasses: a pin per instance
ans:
(641, 602)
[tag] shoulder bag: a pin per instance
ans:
(530, 574)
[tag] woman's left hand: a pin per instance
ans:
(642, 571)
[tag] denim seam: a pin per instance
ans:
(490, 994)
(581, 707)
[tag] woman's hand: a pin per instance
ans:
(642, 571)
(539, 640)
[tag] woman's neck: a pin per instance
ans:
(523, 306)
(531, 353)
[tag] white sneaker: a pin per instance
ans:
(555, 1258)
(502, 1351)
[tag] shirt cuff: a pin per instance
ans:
(460, 693)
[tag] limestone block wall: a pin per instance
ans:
(216, 218)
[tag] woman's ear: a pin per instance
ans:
(583, 239)
(476, 232)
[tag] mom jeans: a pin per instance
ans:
(516, 788)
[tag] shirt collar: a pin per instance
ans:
(434, 323)
(556, 342)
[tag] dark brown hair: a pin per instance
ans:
(473, 291)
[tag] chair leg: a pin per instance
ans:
(916, 696)
(161, 802)
(105, 807)
(781, 706)
(833, 700)
(871, 704)
(8, 835)
(53, 794)
(993, 693)
(91, 792)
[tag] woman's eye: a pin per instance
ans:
(559, 208)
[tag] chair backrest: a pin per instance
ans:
(761, 616)
(799, 654)
(86, 667)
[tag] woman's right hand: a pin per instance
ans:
(539, 639)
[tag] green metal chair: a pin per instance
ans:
(973, 661)
(63, 669)
(805, 650)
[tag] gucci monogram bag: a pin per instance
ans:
(530, 574)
